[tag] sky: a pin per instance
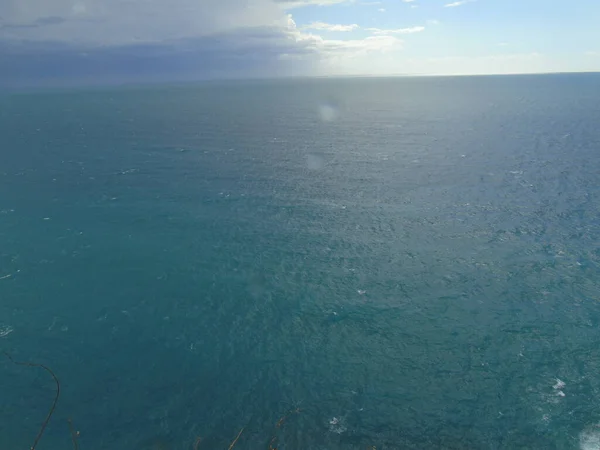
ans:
(79, 41)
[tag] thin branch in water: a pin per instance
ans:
(74, 435)
(53, 407)
(236, 439)
(279, 424)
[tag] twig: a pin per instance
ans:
(74, 435)
(29, 364)
(197, 443)
(236, 439)
(279, 424)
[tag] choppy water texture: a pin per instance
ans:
(414, 263)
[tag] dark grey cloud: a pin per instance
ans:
(122, 22)
(243, 53)
(96, 41)
(51, 20)
(40, 22)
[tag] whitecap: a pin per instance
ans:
(5, 330)
(589, 439)
(336, 425)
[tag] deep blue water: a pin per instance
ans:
(414, 263)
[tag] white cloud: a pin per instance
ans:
(410, 30)
(433, 22)
(346, 47)
(381, 10)
(408, 1)
(330, 27)
(458, 3)
(361, 46)
(592, 53)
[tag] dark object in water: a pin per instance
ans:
(52, 408)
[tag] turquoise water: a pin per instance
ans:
(414, 263)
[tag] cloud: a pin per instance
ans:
(408, 1)
(458, 3)
(248, 53)
(125, 22)
(40, 22)
(410, 30)
(337, 48)
(112, 41)
(358, 47)
(592, 53)
(148, 39)
(291, 4)
(381, 10)
(330, 27)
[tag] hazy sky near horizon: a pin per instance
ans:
(64, 41)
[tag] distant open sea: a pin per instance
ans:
(328, 264)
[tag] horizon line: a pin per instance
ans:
(82, 84)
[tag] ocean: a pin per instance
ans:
(379, 263)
